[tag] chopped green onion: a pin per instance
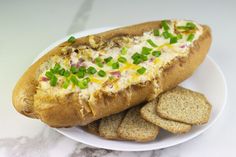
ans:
(83, 84)
(72, 39)
(156, 53)
(190, 37)
(82, 68)
(53, 81)
(65, 84)
(182, 27)
(100, 64)
(135, 55)
(98, 61)
(49, 74)
(165, 25)
(167, 35)
(61, 72)
(173, 40)
(74, 69)
(179, 36)
(124, 50)
(67, 73)
(137, 61)
(151, 43)
(141, 70)
(191, 25)
(115, 65)
(188, 26)
(156, 32)
(56, 67)
(101, 73)
(146, 50)
(108, 59)
(143, 57)
(91, 70)
(138, 58)
(52, 71)
(122, 59)
(87, 79)
(80, 74)
(74, 80)
(110, 62)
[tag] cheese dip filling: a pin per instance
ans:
(121, 63)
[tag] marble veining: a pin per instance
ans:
(82, 150)
(38, 146)
(42, 144)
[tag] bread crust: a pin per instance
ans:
(66, 111)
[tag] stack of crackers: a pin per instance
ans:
(175, 111)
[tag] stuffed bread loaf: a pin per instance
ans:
(84, 79)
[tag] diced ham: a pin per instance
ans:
(45, 79)
(116, 74)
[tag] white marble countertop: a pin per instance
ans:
(29, 26)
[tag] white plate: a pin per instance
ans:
(208, 79)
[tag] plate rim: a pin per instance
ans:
(102, 29)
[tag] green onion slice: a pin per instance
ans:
(173, 40)
(80, 74)
(156, 53)
(122, 59)
(61, 72)
(188, 26)
(165, 25)
(74, 69)
(66, 73)
(190, 37)
(151, 43)
(108, 59)
(146, 50)
(137, 61)
(124, 50)
(83, 84)
(91, 70)
(115, 65)
(56, 67)
(53, 81)
(49, 74)
(101, 73)
(167, 35)
(135, 55)
(110, 62)
(74, 80)
(98, 62)
(179, 36)
(65, 84)
(156, 32)
(72, 39)
(143, 57)
(141, 70)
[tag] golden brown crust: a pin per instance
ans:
(70, 111)
(183, 67)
